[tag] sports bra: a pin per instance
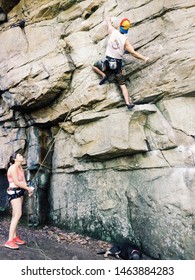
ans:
(20, 177)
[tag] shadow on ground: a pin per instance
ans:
(50, 243)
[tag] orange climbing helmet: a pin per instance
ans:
(125, 25)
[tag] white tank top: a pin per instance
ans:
(115, 47)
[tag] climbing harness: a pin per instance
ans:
(13, 193)
(114, 63)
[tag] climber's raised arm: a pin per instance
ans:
(108, 22)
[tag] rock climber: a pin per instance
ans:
(118, 44)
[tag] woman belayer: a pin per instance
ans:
(15, 192)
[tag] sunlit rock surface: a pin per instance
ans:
(98, 168)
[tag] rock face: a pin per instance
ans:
(98, 168)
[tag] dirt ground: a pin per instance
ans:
(50, 243)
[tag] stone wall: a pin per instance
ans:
(98, 168)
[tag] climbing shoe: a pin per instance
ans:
(11, 245)
(19, 241)
(130, 106)
(103, 81)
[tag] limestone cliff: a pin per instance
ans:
(100, 169)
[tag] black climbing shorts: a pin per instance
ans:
(104, 66)
(120, 78)
(13, 193)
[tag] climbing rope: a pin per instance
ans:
(33, 181)
(51, 145)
